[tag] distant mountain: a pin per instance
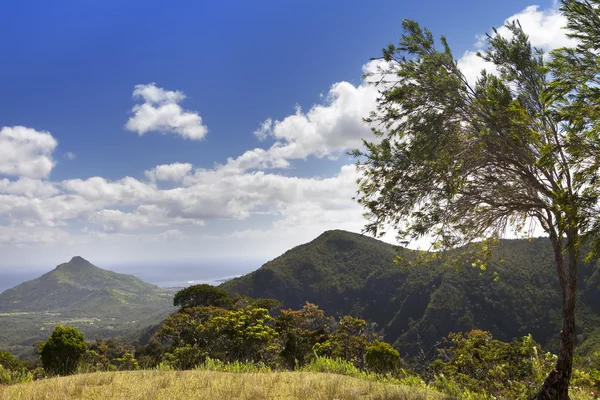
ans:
(99, 302)
(348, 273)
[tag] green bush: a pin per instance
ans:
(10, 362)
(381, 357)
(126, 363)
(63, 350)
(478, 364)
(9, 377)
(184, 357)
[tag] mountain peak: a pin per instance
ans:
(76, 262)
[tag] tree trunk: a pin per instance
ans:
(556, 385)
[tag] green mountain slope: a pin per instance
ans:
(99, 302)
(345, 272)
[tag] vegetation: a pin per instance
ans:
(213, 385)
(350, 274)
(244, 338)
(464, 162)
(100, 303)
(63, 350)
(201, 296)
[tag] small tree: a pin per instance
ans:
(63, 350)
(464, 162)
(202, 296)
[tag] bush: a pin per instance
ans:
(184, 357)
(381, 357)
(9, 377)
(10, 362)
(478, 364)
(63, 350)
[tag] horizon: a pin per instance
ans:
(182, 274)
(161, 139)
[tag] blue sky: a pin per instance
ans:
(131, 131)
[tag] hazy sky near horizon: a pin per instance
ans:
(143, 131)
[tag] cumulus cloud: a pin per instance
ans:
(28, 187)
(328, 129)
(169, 172)
(546, 31)
(26, 152)
(161, 112)
(145, 216)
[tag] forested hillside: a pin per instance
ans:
(348, 273)
(101, 303)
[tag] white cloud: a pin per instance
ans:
(546, 31)
(169, 172)
(264, 130)
(26, 152)
(70, 155)
(545, 28)
(327, 129)
(145, 216)
(161, 112)
(24, 236)
(28, 187)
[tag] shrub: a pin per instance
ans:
(9, 377)
(10, 362)
(63, 350)
(184, 357)
(381, 357)
(476, 363)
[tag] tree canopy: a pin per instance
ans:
(201, 295)
(63, 350)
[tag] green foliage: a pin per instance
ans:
(244, 334)
(63, 350)
(12, 370)
(300, 331)
(335, 366)
(9, 362)
(210, 364)
(381, 357)
(184, 357)
(479, 364)
(126, 363)
(417, 306)
(98, 302)
(12, 376)
(202, 296)
(464, 161)
(151, 354)
(108, 355)
(349, 341)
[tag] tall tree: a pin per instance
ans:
(464, 162)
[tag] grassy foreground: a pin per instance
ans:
(211, 385)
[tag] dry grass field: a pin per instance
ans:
(170, 385)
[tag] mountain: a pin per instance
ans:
(99, 302)
(348, 273)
